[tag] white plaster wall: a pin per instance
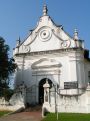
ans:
(51, 44)
(68, 72)
(87, 69)
(73, 104)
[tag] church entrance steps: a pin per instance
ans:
(35, 108)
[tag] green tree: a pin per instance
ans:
(7, 66)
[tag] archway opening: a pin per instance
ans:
(41, 89)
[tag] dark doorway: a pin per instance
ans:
(41, 89)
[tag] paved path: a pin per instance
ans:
(23, 116)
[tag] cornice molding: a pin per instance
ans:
(58, 51)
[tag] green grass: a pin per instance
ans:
(2, 113)
(67, 117)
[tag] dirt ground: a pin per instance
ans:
(23, 116)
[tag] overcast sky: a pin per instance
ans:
(17, 17)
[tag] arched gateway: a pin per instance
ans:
(41, 89)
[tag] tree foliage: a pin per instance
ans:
(7, 65)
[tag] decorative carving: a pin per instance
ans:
(26, 48)
(46, 63)
(45, 34)
(65, 43)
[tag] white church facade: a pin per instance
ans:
(51, 56)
